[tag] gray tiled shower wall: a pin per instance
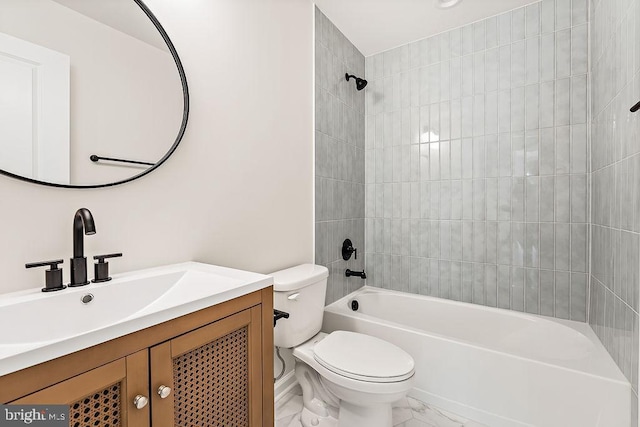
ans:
(339, 164)
(477, 163)
(615, 167)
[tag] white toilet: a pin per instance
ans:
(348, 379)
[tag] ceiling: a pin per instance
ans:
(121, 15)
(374, 26)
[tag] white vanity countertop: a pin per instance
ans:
(39, 326)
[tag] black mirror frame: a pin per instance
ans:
(183, 126)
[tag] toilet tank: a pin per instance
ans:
(299, 291)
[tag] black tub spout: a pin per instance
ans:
(360, 274)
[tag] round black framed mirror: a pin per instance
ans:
(94, 92)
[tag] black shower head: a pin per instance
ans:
(360, 83)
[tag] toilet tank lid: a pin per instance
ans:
(298, 277)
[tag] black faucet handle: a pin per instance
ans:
(101, 258)
(101, 268)
(52, 264)
(53, 276)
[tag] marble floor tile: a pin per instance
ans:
(432, 416)
(288, 409)
(412, 423)
(401, 412)
(407, 412)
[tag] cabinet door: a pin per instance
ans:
(103, 396)
(214, 375)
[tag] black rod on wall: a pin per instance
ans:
(635, 107)
(95, 158)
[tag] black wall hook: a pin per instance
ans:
(635, 107)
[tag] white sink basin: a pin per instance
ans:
(42, 326)
(62, 314)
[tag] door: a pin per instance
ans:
(103, 396)
(34, 110)
(210, 377)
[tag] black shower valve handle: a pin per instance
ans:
(348, 250)
(354, 251)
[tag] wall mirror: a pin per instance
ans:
(92, 92)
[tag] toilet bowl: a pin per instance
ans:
(348, 379)
(364, 374)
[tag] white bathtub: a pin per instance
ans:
(495, 366)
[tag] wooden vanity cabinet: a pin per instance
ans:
(212, 368)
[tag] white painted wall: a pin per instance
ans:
(238, 191)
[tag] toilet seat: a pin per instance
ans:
(305, 353)
(363, 357)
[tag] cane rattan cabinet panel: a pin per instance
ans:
(103, 396)
(213, 376)
(212, 368)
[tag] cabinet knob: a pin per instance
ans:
(164, 391)
(140, 401)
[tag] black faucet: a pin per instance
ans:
(82, 223)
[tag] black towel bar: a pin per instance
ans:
(95, 158)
